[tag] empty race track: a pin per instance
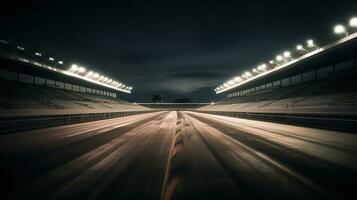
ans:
(178, 155)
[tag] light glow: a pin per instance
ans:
(287, 54)
(262, 67)
(74, 67)
(310, 43)
(279, 57)
(287, 62)
(238, 79)
(353, 22)
(81, 69)
(339, 29)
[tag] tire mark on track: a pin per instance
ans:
(80, 155)
(333, 176)
(194, 172)
(171, 177)
(280, 173)
(93, 181)
(242, 124)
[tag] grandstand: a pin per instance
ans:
(320, 96)
(38, 92)
(321, 81)
(23, 98)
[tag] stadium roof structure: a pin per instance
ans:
(74, 70)
(287, 61)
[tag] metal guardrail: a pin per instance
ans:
(346, 123)
(14, 124)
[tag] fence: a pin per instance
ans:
(332, 122)
(13, 124)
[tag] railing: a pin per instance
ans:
(325, 121)
(13, 124)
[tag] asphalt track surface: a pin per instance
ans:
(178, 155)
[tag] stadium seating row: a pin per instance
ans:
(321, 95)
(16, 95)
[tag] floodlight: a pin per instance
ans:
(279, 57)
(287, 54)
(230, 82)
(339, 29)
(74, 67)
(81, 69)
(353, 22)
(310, 43)
(237, 79)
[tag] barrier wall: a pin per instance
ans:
(13, 124)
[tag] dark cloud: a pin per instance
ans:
(176, 48)
(197, 75)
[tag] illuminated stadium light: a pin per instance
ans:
(101, 78)
(81, 69)
(74, 67)
(20, 48)
(299, 47)
(287, 54)
(73, 70)
(247, 74)
(311, 49)
(310, 43)
(353, 22)
(237, 79)
(255, 70)
(279, 58)
(90, 73)
(262, 67)
(96, 75)
(340, 29)
(231, 82)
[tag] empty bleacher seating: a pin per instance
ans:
(318, 95)
(16, 95)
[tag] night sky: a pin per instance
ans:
(179, 49)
